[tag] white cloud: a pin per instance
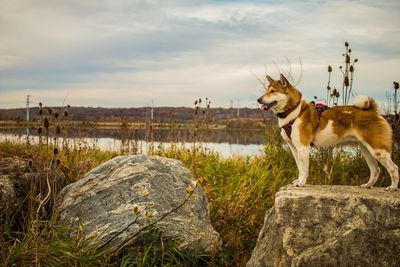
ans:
(235, 13)
(128, 52)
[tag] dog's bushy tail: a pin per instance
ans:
(365, 103)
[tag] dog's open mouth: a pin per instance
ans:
(268, 106)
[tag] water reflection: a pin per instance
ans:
(224, 142)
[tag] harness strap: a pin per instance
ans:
(320, 108)
(288, 127)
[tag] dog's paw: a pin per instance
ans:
(297, 183)
(391, 189)
(366, 186)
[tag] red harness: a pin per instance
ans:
(288, 126)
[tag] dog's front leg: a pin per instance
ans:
(291, 146)
(303, 162)
(294, 152)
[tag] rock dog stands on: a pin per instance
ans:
(330, 226)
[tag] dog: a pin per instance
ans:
(302, 127)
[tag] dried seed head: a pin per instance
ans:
(66, 113)
(334, 92)
(30, 163)
(351, 68)
(189, 189)
(40, 111)
(58, 129)
(395, 85)
(328, 88)
(55, 151)
(329, 68)
(56, 115)
(40, 104)
(49, 110)
(347, 58)
(39, 130)
(346, 81)
(346, 44)
(149, 214)
(58, 161)
(356, 60)
(136, 210)
(46, 123)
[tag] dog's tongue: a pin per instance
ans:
(265, 107)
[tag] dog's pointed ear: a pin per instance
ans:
(270, 80)
(284, 82)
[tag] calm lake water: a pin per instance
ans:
(226, 143)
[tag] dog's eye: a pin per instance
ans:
(272, 91)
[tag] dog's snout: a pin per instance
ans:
(260, 100)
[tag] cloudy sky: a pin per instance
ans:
(124, 53)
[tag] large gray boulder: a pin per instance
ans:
(21, 180)
(330, 226)
(15, 176)
(119, 203)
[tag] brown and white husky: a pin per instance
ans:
(302, 127)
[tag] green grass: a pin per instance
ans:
(240, 190)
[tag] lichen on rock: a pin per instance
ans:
(330, 226)
(116, 203)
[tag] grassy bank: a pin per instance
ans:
(240, 190)
(132, 125)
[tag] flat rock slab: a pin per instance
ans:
(115, 203)
(330, 226)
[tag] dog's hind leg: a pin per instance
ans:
(373, 167)
(385, 159)
(383, 156)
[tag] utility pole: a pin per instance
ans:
(152, 110)
(27, 107)
(231, 110)
(27, 119)
(238, 110)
